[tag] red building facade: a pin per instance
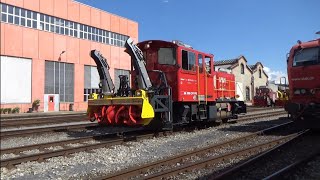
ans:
(45, 49)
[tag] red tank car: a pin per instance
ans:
(304, 83)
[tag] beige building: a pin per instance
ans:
(248, 77)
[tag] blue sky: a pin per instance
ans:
(261, 30)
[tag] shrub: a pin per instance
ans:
(9, 110)
(36, 103)
(1, 111)
(16, 110)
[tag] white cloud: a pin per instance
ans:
(165, 1)
(275, 75)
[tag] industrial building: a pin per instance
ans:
(45, 46)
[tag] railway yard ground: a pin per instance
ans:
(264, 143)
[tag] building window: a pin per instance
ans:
(247, 93)
(242, 68)
(259, 73)
(91, 81)
(166, 56)
(188, 60)
(59, 79)
(19, 16)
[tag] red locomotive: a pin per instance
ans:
(267, 97)
(304, 83)
(264, 97)
(172, 84)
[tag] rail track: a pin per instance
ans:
(18, 121)
(206, 157)
(39, 115)
(48, 129)
(67, 127)
(47, 150)
(38, 121)
(256, 109)
(285, 158)
(293, 167)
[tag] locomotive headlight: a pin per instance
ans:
(297, 91)
(303, 91)
(146, 46)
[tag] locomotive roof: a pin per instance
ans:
(171, 43)
(307, 44)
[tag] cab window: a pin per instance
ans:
(167, 56)
(200, 64)
(188, 60)
(308, 56)
(208, 64)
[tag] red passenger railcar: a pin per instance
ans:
(304, 83)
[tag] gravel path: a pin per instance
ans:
(107, 160)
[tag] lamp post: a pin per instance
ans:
(59, 59)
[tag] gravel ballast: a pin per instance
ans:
(57, 136)
(108, 160)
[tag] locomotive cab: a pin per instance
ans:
(304, 82)
(198, 92)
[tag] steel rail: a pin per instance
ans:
(226, 174)
(13, 117)
(259, 116)
(291, 167)
(108, 140)
(256, 109)
(31, 131)
(66, 151)
(42, 121)
(208, 162)
(136, 171)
